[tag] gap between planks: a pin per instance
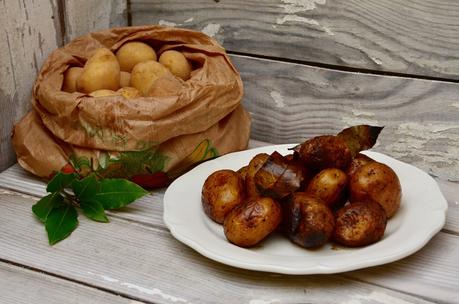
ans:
(340, 68)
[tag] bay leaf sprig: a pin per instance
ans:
(67, 193)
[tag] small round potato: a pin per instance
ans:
(71, 76)
(329, 185)
(379, 183)
(129, 92)
(243, 172)
(125, 79)
(101, 71)
(134, 52)
(359, 161)
(144, 74)
(325, 151)
(307, 221)
(360, 224)
(103, 93)
(254, 165)
(222, 191)
(176, 63)
(251, 222)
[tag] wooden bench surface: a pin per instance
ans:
(309, 67)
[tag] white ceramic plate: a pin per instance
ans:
(420, 217)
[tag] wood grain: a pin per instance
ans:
(413, 37)
(291, 102)
(147, 263)
(22, 286)
(30, 31)
(84, 16)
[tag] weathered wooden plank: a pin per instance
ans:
(414, 37)
(29, 32)
(291, 102)
(19, 285)
(147, 263)
(82, 17)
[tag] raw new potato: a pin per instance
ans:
(125, 79)
(249, 223)
(129, 92)
(101, 71)
(103, 92)
(177, 63)
(132, 53)
(144, 74)
(379, 183)
(222, 191)
(71, 76)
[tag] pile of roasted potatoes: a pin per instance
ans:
(325, 190)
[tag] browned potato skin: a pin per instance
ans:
(251, 222)
(243, 172)
(379, 183)
(325, 151)
(360, 224)
(358, 161)
(255, 164)
(329, 185)
(222, 191)
(308, 222)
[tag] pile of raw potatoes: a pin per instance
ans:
(130, 72)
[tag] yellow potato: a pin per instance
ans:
(144, 74)
(129, 92)
(134, 52)
(70, 79)
(101, 71)
(103, 92)
(125, 79)
(176, 63)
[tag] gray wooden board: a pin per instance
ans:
(413, 37)
(29, 32)
(292, 102)
(22, 286)
(147, 263)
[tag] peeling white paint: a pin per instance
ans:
(108, 279)
(376, 60)
(359, 120)
(426, 128)
(455, 105)
(278, 99)
(154, 292)
(136, 302)
(7, 192)
(211, 29)
(363, 113)
(377, 297)
(167, 23)
(261, 301)
(295, 6)
(295, 18)
(189, 20)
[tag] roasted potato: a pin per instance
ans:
(177, 63)
(255, 164)
(360, 224)
(243, 172)
(358, 161)
(132, 53)
(329, 185)
(101, 71)
(325, 151)
(249, 223)
(70, 79)
(307, 221)
(222, 191)
(379, 183)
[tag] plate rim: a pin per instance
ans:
(439, 216)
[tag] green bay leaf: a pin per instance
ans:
(60, 223)
(44, 206)
(94, 210)
(86, 188)
(116, 193)
(61, 181)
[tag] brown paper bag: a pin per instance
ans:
(150, 140)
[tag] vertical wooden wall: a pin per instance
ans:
(30, 31)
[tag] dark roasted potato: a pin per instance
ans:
(359, 161)
(329, 185)
(326, 151)
(379, 183)
(222, 191)
(278, 177)
(255, 164)
(359, 224)
(307, 221)
(243, 172)
(249, 223)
